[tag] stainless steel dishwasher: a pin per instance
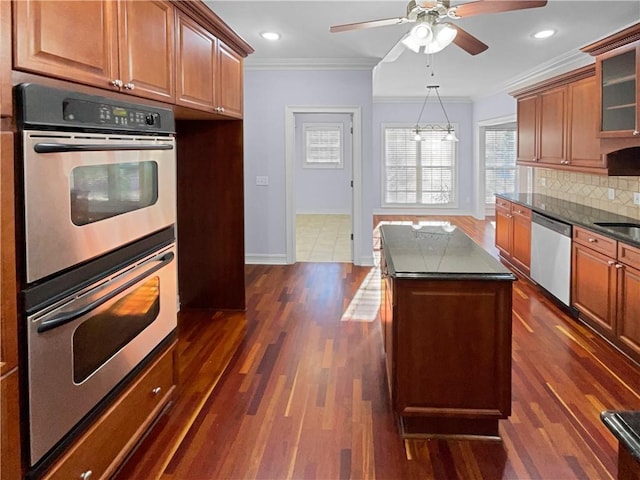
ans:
(551, 256)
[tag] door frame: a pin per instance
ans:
(356, 175)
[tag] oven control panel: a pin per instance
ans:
(83, 112)
(40, 107)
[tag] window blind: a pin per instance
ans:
(500, 161)
(418, 173)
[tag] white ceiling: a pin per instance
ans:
(513, 59)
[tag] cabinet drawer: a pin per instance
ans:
(106, 443)
(629, 255)
(503, 204)
(595, 241)
(520, 211)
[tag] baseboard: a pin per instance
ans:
(265, 259)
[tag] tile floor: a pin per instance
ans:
(323, 238)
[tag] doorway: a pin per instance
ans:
(295, 181)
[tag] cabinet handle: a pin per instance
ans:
(116, 83)
(619, 266)
(86, 475)
(593, 240)
(611, 263)
(129, 86)
(156, 390)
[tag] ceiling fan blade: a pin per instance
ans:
(395, 52)
(468, 42)
(494, 6)
(370, 24)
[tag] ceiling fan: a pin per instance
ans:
(431, 32)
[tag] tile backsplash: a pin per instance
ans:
(591, 190)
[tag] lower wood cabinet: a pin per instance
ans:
(513, 234)
(99, 452)
(10, 467)
(605, 288)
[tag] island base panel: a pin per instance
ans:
(425, 427)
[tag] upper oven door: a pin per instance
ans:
(87, 194)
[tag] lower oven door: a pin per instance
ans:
(83, 346)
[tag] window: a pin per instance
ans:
(322, 145)
(500, 161)
(418, 173)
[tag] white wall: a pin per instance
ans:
(266, 95)
(323, 190)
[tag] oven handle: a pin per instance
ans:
(66, 147)
(66, 317)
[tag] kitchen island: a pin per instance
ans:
(446, 322)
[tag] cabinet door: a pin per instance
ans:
(521, 240)
(619, 97)
(527, 129)
(230, 81)
(67, 39)
(551, 138)
(5, 60)
(583, 141)
(10, 427)
(628, 315)
(196, 62)
(8, 273)
(593, 287)
(504, 227)
(146, 40)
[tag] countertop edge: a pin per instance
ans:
(626, 435)
(555, 216)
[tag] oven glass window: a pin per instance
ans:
(104, 191)
(102, 335)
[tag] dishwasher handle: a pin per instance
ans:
(554, 225)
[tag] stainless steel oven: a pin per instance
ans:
(97, 175)
(99, 277)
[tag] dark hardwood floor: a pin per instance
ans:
(305, 394)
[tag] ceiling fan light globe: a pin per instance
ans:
(443, 35)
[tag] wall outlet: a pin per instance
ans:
(611, 194)
(262, 181)
(543, 181)
(636, 198)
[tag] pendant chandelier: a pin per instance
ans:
(450, 134)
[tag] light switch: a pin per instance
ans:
(262, 180)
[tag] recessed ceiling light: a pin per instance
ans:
(270, 35)
(544, 34)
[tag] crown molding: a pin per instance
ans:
(556, 66)
(252, 63)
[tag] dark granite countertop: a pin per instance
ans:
(626, 427)
(438, 252)
(573, 213)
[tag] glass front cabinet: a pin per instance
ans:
(618, 72)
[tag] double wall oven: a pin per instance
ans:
(99, 276)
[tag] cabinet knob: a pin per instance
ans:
(593, 240)
(611, 263)
(156, 390)
(116, 83)
(86, 475)
(619, 266)
(129, 86)
(636, 132)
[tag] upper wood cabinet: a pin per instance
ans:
(209, 73)
(125, 46)
(618, 74)
(558, 128)
(146, 48)
(5, 60)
